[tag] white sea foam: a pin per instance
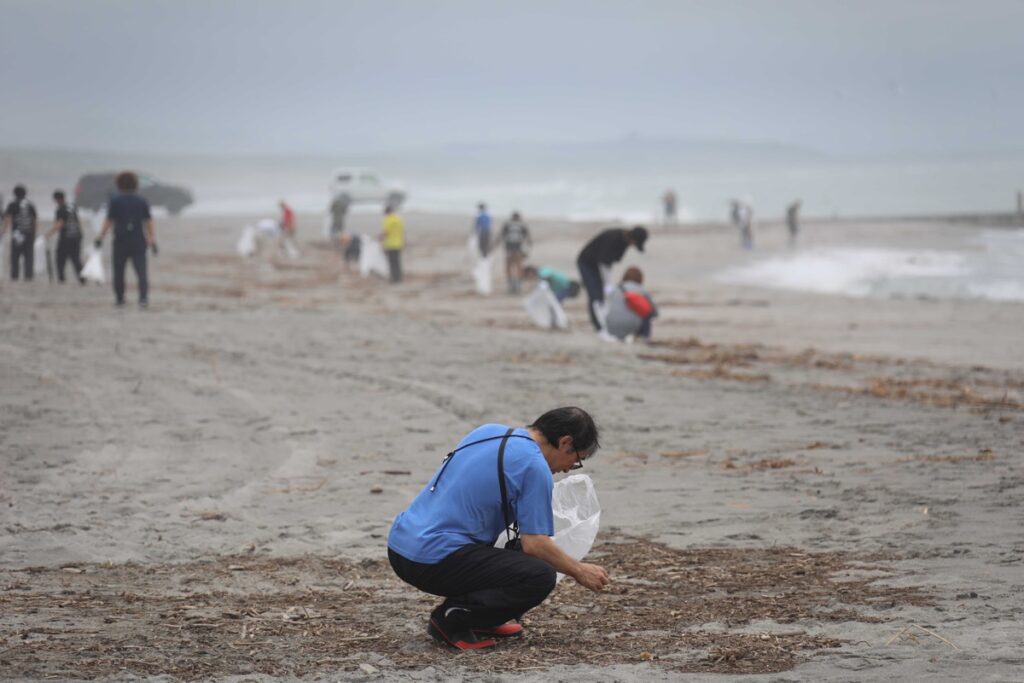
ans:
(864, 272)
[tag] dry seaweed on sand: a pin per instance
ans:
(244, 614)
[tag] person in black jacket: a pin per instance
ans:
(20, 219)
(69, 240)
(600, 253)
(128, 215)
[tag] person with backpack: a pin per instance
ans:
(497, 482)
(514, 237)
(630, 308)
(69, 241)
(20, 219)
(128, 215)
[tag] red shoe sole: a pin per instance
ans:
(439, 635)
(509, 630)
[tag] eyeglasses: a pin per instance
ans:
(578, 464)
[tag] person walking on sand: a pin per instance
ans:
(443, 543)
(482, 230)
(392, 239)
(793, 221)
(288, 229)
(515, 236)
(596, 259)
(128, 215)
(20, 219)
(69, 241)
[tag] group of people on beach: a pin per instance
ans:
(622, 311)
(127, 216)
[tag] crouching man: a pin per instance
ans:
(498, 477)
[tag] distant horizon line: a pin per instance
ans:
(706, 143)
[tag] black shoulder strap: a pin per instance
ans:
(451, 454)
(505, 512)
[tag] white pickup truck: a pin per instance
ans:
(360, 186)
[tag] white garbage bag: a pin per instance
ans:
(543, 308)
(371, 257)
(473, 248)
(482, 276)
(39, 255)
(577, 515)
(289, 247)
(93, 268)
(247, 243)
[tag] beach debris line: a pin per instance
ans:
(311, 615)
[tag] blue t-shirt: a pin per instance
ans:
(483, 222)
(465, 507)
(129, 213)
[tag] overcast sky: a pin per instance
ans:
(305, 76)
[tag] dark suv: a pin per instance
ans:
(94, 189)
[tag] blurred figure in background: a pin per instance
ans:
(742, 216)
(20, 219)
(515, 236)
(561, 286)
(392, 239)
(288, 230)
(630, 308)
(793, 221)
(69, 239)
(482, 229)
(668, 201)
(128, 214)
(596, 259)
(339, 210)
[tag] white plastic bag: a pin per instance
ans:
(93, 268)
(482, 276)
(543, 307)
(247, 243)
(577, 514)
(371, 257)
(39, 255)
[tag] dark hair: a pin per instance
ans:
(530, 271)
(127, 181)
(569, 421)
(19, 191)
(633, 274)
(58, 195)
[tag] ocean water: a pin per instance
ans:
(987, 265)
(603, 183)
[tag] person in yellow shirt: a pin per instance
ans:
(392, 239)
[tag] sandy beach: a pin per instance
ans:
(808, 487)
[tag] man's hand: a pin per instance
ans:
(591, 576)
(154, 248)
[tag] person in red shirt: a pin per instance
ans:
(287, 219)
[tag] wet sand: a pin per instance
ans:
(218, 473)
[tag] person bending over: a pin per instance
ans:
(558, 282)
(630, 308)
(443, 543)
(599, 255)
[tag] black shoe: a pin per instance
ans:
(448, 631)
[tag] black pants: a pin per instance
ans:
(137, 253)
(394, 264)
(69, 249)
(590, 275)
(23, 253)
(492, 584)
